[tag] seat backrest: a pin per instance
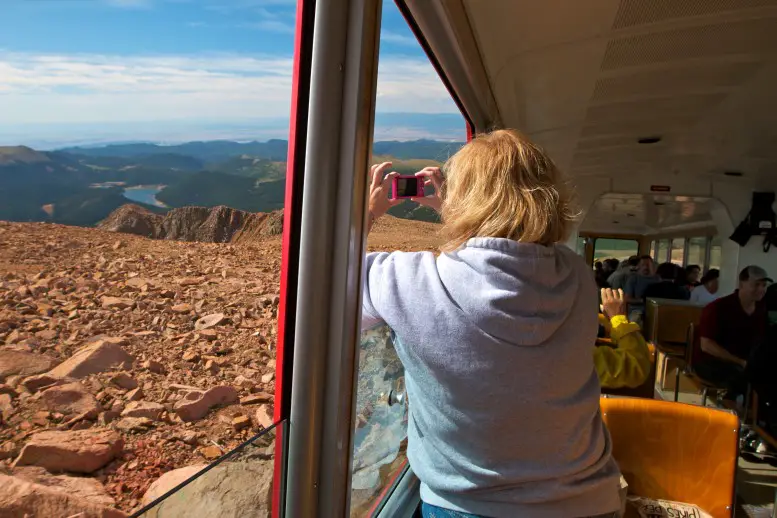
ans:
(674, 451)
(667, 322)
(691, 346)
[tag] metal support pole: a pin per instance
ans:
(339, 140)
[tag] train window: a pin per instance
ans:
(653, 249)
(697, 250)
(605, 248)
(381, 412)
(678, 251)
(580, 249)
(663, 251)
(716, 250)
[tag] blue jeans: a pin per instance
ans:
(432, 511)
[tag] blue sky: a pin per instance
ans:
(140, 68)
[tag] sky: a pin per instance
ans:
(77, 71)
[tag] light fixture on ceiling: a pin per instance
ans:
(733, 173)
(649, 140)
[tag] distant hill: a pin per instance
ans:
(275, 150)
(82, 186)
(21, 155)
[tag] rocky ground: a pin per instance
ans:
(123, 358)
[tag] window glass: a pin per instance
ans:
(663, 251)
(412, 104)
(716, 251)
(605, 248)
(697, 248)
(678, 251)
(581, 245)
(653, 249)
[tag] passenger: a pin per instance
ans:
(628, 364)
(707, 291)
(667, 288)
(618, 279)
(637, 284)
(599, 275)
(692, 274)
(495, 335)
(610, 266)
(730, 328)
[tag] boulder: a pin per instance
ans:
(169, 480)
(72, 398)
(21, 498)
(87, 488)
(40, 381)
(134, 424)
(97, 357)
(145, 409)
(264, 416)
(23, 363)
(229, 490)
(80, 451)
(195, 404)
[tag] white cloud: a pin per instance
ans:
(399, 39)
(49, 88)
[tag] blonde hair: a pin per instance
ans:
(502, 185)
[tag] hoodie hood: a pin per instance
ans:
(520, 293)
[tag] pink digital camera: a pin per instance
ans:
(408, 187)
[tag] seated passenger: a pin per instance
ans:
(638, 283)
(707, 291)
(691, 276)
(618, 279)
(495, 338)
(628, 363)
(730, 327)
(667, 288)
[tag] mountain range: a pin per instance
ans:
(83, 185)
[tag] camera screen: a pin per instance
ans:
(407, 187)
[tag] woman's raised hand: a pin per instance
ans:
(432, 176)
(380, 187)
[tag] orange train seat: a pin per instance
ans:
(674, 451)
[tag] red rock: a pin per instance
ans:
(182, 308)
(124, 380)
(5, 389)
(22, 498)
(264, 416)
(145, 409)
(267, 378)
(117, 303)
(196, 404)
(92, 359)
(135, 395)
(18, 362)
(209, 334)
(81, 451)
(253, 399)
(87, 488)
(154, 366)
(211, 452)
(48, 334)
(41, 381)
(191, 356)
(240, 422)
(134, 424)
(6, 403)
(72, 398)
(209, 321)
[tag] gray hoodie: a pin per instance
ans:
(496, 343)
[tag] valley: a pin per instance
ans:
(82, 186)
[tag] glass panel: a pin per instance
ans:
(653, 249)
(581, 245)
(620, 249)
(238, 484)
(380, 435)
(663, 250)
(716, 251)
(696, 250)
(678, 251)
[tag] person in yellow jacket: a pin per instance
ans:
(628, 363)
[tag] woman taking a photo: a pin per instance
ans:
(495, 336)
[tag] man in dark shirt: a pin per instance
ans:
(667, 288)
(729, 329)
